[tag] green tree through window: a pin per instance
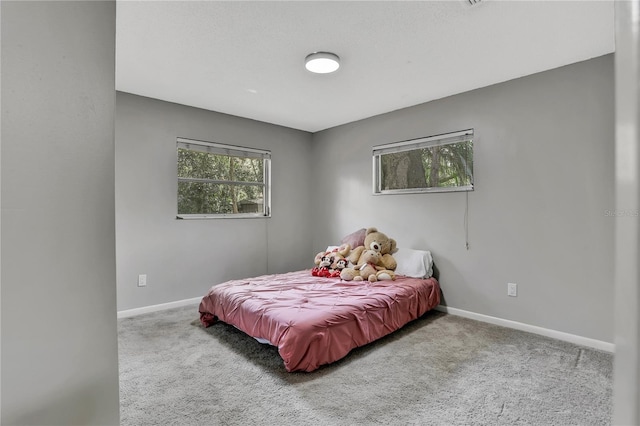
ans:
(437, 163)
(215, 179)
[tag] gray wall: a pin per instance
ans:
(544, 179)
(184, 258)
(544, 175)
(59, 341)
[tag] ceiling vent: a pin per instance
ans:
(474, 2)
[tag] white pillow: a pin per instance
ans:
(414, 263)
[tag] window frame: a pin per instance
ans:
(232, 151)
(413, 144)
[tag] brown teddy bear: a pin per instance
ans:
(375, 240)
(368, 268)
(384, 265)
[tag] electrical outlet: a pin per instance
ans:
(512, 289)
(142, 280)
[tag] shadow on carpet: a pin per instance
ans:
(267, 357)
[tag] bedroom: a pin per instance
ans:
(571, 219)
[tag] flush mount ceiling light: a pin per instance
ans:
(322, 62)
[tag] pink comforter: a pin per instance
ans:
(314, 320)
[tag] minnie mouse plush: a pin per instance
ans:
(328, 262)
(323, 264)
(337, 266)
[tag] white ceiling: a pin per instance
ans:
(246, 57)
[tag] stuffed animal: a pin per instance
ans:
(326, 261)
(339, 263)
(323, 260)
(368, 267)
(377, 241)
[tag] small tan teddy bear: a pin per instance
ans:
(369, 267)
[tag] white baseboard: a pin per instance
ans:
(161, 307)
(571, 338)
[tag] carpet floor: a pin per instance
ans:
(438, 370)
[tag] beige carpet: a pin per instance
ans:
(438, 370)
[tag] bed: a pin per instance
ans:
(314, 320)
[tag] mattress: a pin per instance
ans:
(315, 320)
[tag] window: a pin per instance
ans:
(216, 180)
(432, 164)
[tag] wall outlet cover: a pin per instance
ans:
(142, 280)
